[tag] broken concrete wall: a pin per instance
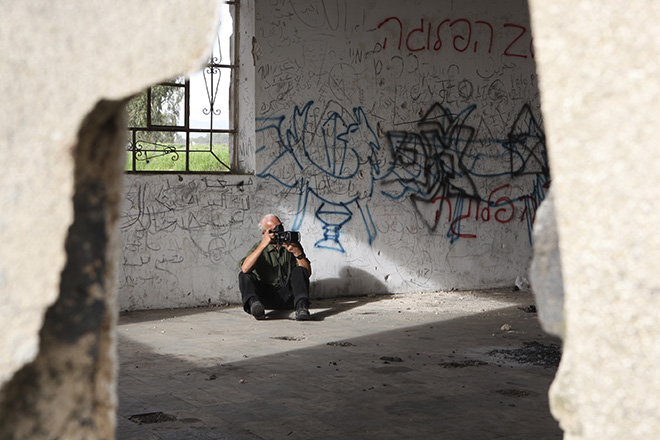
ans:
(404, 140)
(599, 73)
(547, 282)
(61, 191)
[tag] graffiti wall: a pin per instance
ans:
(404, 140)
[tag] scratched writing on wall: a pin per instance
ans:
(165, 226)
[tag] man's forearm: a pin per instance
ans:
(304, 262)
(251, 260)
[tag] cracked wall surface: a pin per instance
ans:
(61, 191)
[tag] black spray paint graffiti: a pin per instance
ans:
(440, 165)
(429, 163)
(443, 165)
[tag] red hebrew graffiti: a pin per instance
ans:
(523, 31)
(463, 33)
(400, 31)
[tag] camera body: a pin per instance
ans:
(281, 236)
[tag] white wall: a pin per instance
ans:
(403, 139)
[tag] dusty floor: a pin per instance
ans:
(447, 365)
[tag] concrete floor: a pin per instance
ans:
(416, 366)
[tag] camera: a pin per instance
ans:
(281, 236)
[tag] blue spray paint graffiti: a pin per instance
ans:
(439, 163)
(338, 168)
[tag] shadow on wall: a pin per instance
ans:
(351, 282)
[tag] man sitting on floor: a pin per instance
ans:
(274, 274)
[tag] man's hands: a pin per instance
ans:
(266, 239)
(293, 248)
(296, 250)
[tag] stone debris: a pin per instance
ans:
(463, 364)
(154, 417)
(391, 359)
(514, 392)
(532, 353)
(341, 344)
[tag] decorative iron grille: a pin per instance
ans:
(187, 124)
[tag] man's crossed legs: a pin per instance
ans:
(258, 296)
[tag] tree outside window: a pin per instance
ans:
(187, 124)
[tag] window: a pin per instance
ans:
(188, 124)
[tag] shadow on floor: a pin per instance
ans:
(202, 376)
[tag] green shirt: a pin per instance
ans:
(272, 264)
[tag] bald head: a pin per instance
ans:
(268, 221)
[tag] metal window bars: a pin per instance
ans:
(188, 124)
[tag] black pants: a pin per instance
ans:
(272, 297)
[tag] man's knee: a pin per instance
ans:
(246, 279)
(300, 271)
(299, 278)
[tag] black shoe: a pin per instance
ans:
(257, 309)
(302, 312)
